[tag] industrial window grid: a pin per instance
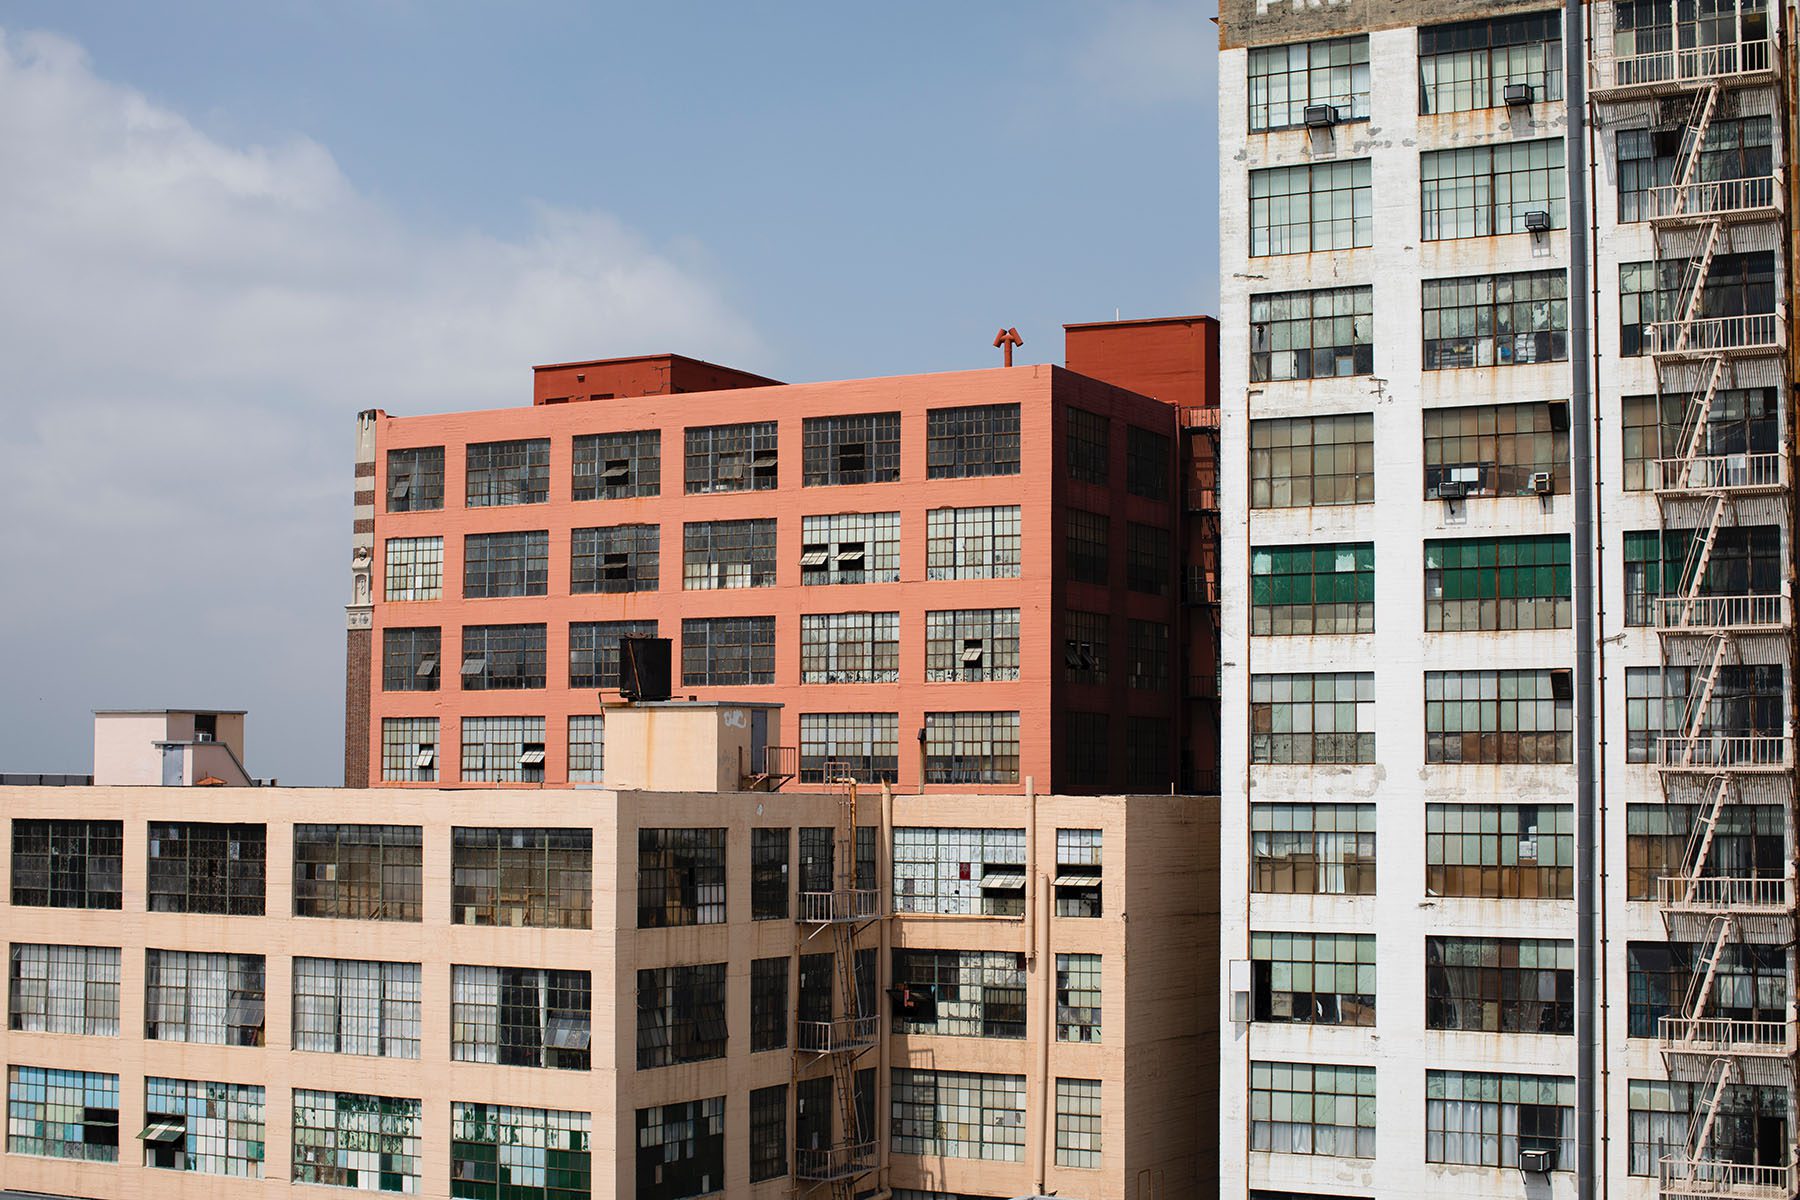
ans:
(813, 1109)
(615, 466)
(727, 651)
(506, 564)
(62, 1114)
(1147, 646)
(1745, 560)
(209, 999)
(503, 749)
(409, 749)
(1327, 717)
(1149, 768)
(587, 748)
(1746, 702)
(1313, 849)
(1086, 747)
(1500, 851)
(1146, 559)
(1085, 638)
(732, 458)
(958, 1114)
(1483, 1119)
(498, 1150)
(864, 448)
(357, 1006)
(1312, 589)
(1313, 978)
(964, 872)
(352, 1140)
(1299, 462)
(1733, 149)
(1736, 285)
(971, 645)
(594, 651)
(204, 867)
(972, 747)
(680, 1014)
(1284, 81)
(1088, 438)
(1496, 449)
(1312, 1108)
(415, 568)
(1320, 334)
(64, 989)
(850, 548)
(768, 1133)
(210, 1128)
(1488, 191)
(681, 877)
(1078, 1123)
(1499, 717)
(506, 473)
(1087, 545)
(681, 1149)
(979, 993)
(1470, 64)
(1496, 320)
(866, 746)
(1146, 463)
(769, 1003)
(1311, 208)
(1750, 982)
(728, 554)
(1500, 985)
(1749, 841)
(1078, 878)
(615, 558)
(818, 858)
(532, 878)
(359, 872)
(963, 443)
(1078, 998)
(850, 647)
(410, 659)
(521, 1016)
(1739, 421)
(1497, 583)
(972, 543)
(1661, 1112)
(769, 857)
(415, 479)
(502, 657)
(67, 864)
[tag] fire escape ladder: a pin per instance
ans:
(1719, 1077)
(1712, 952)
(1699, 704)
(1701, 839)
(1693, 140)
(1699, 413)
(1693, 284)
(1699, 557)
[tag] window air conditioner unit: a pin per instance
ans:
(1518, 95)
(1452, 489)
(1537, 1162)
(1320, 116)
(1537, 221)
(1542, 483)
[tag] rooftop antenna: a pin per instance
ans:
(1007, 339)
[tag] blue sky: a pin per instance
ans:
(229, 227)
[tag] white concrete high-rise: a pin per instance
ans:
(1399, 744)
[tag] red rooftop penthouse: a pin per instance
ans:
(955, 581)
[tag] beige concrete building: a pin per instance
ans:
(604, 992)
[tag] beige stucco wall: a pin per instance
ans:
(1144, 981)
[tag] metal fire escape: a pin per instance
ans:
(835, 918)
(1698, 71)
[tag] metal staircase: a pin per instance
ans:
(836, 917)
(1712, 67)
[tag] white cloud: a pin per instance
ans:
(1154, 52)
(187, 330)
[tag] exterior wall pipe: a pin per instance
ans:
(1587, 886)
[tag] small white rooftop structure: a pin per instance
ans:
(170, 747)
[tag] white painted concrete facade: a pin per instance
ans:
(1399, 783)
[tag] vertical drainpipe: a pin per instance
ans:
(1035, 891)
(1587, 885)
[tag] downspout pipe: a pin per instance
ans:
(1588, 1167)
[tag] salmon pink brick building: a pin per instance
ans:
(953, 581)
